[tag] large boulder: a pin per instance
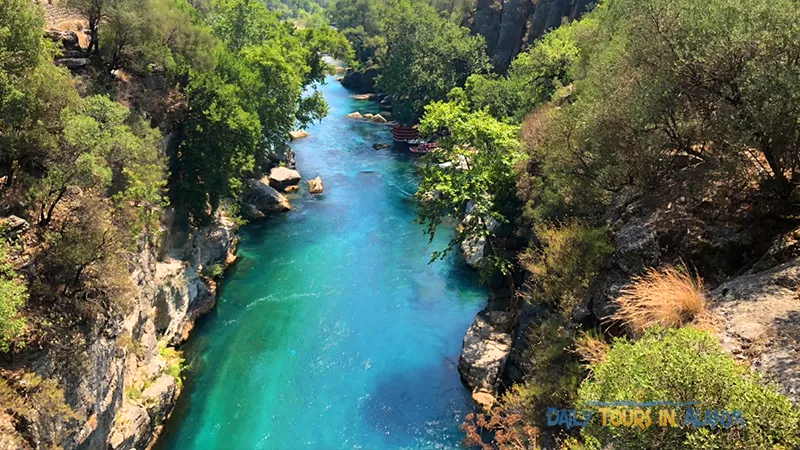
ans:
(159, 398)
(760, 321)
(264, 199)
(13, 226)
(282, 177)
(361, 81)
(485, 350)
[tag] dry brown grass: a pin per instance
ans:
(671, 297)
(591, 348)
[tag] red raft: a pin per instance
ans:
(402, 133)
(425, 147)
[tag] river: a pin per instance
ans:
(332, 331)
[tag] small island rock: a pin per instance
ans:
(315, 186)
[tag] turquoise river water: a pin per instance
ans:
(332, 331)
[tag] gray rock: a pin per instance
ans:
(264, 198)
(760, 321)
(74, 63)
(14, 226)
(283, 155)
(159, 398)
(486, 348)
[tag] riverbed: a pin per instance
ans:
(332, 330)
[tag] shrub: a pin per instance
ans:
(13, 295)
(668, 298)
(686, 365)
(563, 265)
(552, 376)
(175, 362)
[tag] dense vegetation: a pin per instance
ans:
(532, 161)
(84, 179)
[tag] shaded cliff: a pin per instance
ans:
(510, 25)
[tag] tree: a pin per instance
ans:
(251, 101)
(97, 150)
(426, 57)
(94, 11)
(474, 163)
(532, 79)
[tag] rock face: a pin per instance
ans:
(702, 223)
(280, 156)
(363, 81)
(98, 375)
(486, 348)
(760, 315)
(261, 199)
(282, 177)
(509, 26)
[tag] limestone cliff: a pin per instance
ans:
(120, 382)
(510, 25)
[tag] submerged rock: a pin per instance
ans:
(282, 177)
(315, 186)
(381, 145)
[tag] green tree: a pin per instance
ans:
(426, 57)
(474, 163)
(532, 79)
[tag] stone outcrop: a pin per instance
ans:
(283, 155)
(486, 348)
(315, 186)
(361, 81)
(511, 25)
(260, 200)
(282, 177)
(760, 322)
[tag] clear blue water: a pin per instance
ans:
(332, 331)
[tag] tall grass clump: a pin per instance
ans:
(669, 298)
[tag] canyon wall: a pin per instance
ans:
(510, 25)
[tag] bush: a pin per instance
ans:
(686, 365)
(668, 298)
(563, 265)
(13, 294)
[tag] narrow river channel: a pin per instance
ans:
(332, 330)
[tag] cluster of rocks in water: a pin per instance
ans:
(374, 118)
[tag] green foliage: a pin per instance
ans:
(13, 295)
(98, 151)
(215, 271)
(565, 261)
(30, 394)
(251, 101)
(532, 79)
(175, 362)
(426, 57)
(686, 365)
(553, 374)
(473, 163)
(658, 77)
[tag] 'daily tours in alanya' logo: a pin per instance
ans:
(645, 415)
